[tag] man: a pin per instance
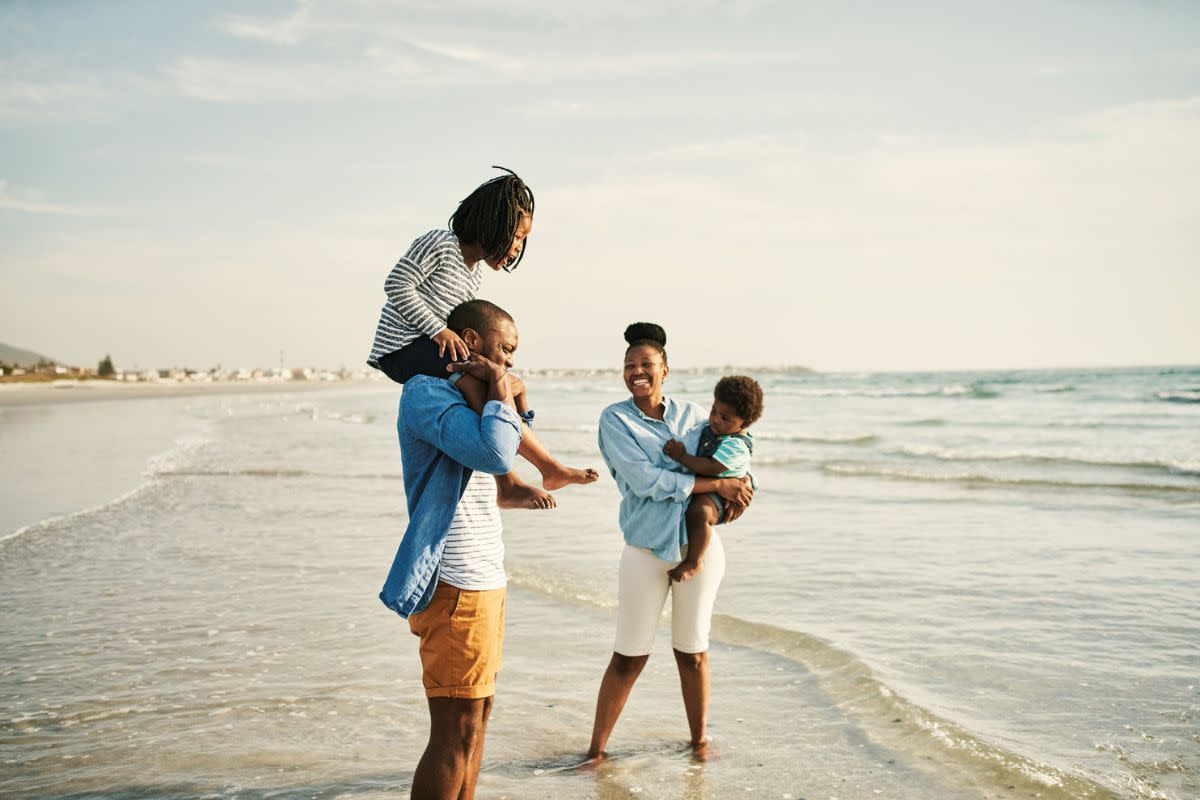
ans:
(450, 565)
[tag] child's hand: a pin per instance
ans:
(447, 338)
(674, 449)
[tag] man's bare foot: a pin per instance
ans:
(686, 570)
(559, 476)
(522, 495)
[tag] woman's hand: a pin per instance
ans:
(736, 490)
(448, 339)
(733, 511)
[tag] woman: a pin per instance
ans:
(654, 496)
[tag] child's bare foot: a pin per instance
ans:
(559, 476)
(522, 495)
(686, 570)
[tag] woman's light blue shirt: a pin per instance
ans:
(654, 488)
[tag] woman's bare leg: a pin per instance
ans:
(622, 673)
(693, 681)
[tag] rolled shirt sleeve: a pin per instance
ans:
(439, 416)
(654, 488)
(629, 463)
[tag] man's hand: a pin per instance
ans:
(674, 449)
(491, 373)
(449, 340)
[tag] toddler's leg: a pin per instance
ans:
(511, 491)
(701, 515)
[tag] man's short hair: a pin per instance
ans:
(478, 315)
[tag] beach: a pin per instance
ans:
(950, 585)
(71, 391)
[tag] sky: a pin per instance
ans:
(844, 186)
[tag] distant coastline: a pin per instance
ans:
(70, 391)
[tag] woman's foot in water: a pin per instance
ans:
(557, 475)
(685, 570)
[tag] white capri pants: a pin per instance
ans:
(642, 587)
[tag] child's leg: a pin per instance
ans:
(702, 513)
(555, 475)
(511, 491)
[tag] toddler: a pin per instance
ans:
(723, 452)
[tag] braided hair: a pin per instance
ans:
(646, 334)
(489, 216)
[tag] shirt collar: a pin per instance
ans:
(666, 407)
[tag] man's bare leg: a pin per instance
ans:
(456, 729)
(701, 515)
(472, 776)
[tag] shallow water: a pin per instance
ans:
(949, 585)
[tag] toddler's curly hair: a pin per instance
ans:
(744, 394)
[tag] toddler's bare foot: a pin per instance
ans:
(522, 495)
(686, 570)
(559, 476)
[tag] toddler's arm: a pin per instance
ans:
(701, 466)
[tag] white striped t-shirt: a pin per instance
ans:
(474, 554)
(422, 289)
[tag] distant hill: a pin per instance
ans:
(15, 355)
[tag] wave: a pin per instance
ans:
(1181, 396)
(928, 422)
(52, 522)
(275, 472)
(889, 718)
(1056, 388)
(816, 438)
(975, 479)
(539, 427)
(966, 390)
(1173, 467)
(183, 446)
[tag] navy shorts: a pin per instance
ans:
(419, 357)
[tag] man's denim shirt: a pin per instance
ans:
(441, 442)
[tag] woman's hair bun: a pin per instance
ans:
(646, 332)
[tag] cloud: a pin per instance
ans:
(24, 99)
(287, 30)
(32, 202)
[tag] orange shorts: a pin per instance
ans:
(462, 635)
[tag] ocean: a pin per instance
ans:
(950, 585)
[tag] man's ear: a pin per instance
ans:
(472, 338)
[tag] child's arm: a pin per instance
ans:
(404, 286)
(701, 466)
